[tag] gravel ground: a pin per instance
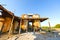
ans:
(48, 36)
(36, 36)
(24, 36)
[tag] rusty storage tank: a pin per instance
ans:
(36, 22)
(6, 24)
(24, 22)
(1, 23)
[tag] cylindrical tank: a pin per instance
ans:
(7, 24)
(24, 23)
(36, 16)
(36, 22)
(24, 16)
(1, 23)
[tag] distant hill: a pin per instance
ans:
(57, 26)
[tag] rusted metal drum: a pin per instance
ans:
(36, 16)
(24, 16)
(24, 23)
(36, 22)
(1, 23)
(7, 24)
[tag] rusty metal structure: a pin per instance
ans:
(6, 20)
(34, 19)
(10, 23)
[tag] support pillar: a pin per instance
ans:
(10, 30)
(49, 25)
(27, 26)
(20, 26)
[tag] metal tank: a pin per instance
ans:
(24, 23)
(36, 22)
(1, 23)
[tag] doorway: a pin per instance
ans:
(30, 29)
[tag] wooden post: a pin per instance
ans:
(20, 26)
(27, 26)
(34, 30)
(49, 25)
(34, 27)
(40, 27)
(10, 30)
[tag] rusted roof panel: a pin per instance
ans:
(5, 10)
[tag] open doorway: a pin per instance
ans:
(30, 27)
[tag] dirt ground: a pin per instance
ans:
(57, 29)
(32, 36)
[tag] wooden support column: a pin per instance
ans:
(20, 26)
(10, 30)
(49, 25)
(27, 26)
(34, 27)
(40, 27)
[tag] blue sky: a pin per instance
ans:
(45, 8)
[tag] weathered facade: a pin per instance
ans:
(10, 22)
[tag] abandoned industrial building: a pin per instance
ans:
(9, 23)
